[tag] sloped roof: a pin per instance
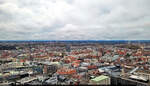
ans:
(100, 78)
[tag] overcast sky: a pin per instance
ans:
(74, 19)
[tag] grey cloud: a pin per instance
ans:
(74, 19)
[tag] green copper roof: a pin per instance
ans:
(99, 78)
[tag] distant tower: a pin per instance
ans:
(122, 70)
(102, 51)
(68, 48)
(139, 43)
(30, 57)
(45, 69)
(142, 49)
(129, 42)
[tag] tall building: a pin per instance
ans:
(68, 48)
(45, 69)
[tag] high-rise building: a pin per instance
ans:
(45, 69)
(68, 48)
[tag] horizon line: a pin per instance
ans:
(75, 40)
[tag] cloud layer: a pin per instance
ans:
(74, 19)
